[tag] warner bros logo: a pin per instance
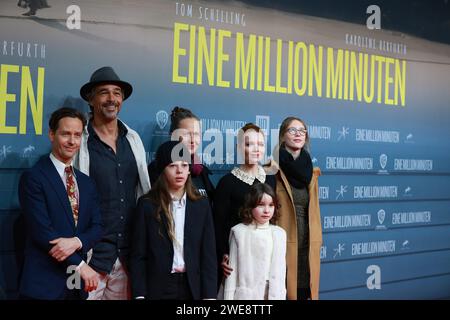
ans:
(381, 215)
(161, 119)
(383, 163)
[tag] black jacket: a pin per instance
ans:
(152, 252)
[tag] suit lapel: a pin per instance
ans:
(164, 225)
(189, 225)
(58, 186)
(82, 196)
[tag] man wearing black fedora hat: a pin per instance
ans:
(113, 155)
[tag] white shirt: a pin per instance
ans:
(179, 214)
(60, 167)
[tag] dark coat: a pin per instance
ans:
(48, 216)
(152, 251)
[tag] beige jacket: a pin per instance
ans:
(288, 221)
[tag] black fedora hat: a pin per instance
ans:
(105, 75)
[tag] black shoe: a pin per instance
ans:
(29, 13)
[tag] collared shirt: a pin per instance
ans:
(60, 168)
(116, 178)
(179, 214)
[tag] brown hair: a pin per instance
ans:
(65, 112)
(159, 195)
(252, 199)
(284, 128)
(178, 114)
(245, 128)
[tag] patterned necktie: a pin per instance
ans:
(72, 192)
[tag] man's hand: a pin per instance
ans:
(226, 266)
(63, 247)
(90, 278)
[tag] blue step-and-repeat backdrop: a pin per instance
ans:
(376, 103)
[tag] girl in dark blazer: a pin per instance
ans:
(173, 254)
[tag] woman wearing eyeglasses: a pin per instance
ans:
(297, 192)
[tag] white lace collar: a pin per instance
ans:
(247, 177)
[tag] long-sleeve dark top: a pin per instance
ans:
(116, 176)
(229, 198)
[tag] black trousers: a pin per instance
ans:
(67, 295)
(177, 288)
(303, 293)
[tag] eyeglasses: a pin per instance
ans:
(293, 131)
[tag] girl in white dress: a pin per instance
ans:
(257, 250)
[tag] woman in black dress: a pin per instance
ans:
(232, 188)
